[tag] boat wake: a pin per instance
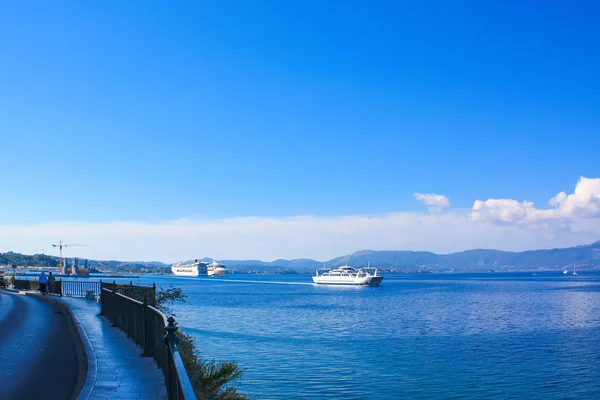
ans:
(226, 280)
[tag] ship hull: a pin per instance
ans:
(363, 281)
(185, 271)
(219, 271)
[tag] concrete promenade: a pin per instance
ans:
(116, 369)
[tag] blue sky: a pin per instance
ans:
(142, 112)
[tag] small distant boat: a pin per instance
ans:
(565, 272)
(346, 275)
(574, 271)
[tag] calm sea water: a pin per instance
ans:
(416, 336)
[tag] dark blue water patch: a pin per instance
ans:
(590, 287)
(481, 366)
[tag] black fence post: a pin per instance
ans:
(114, 304)
(154, 294)
(171, 339)
(171, 331)
(144, 344)
(101, 299)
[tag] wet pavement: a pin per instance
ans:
(38, 355)
(116, 369)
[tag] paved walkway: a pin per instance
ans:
(116, 369)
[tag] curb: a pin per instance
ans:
(92, 360)
(81, 347)
(13, 290)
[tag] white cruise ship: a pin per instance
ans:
(195, 269)
(215, 269)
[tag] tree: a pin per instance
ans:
(167, 297)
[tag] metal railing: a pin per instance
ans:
(156, 335)
(78, 288)
(25, 284)
(90, 288)
(133, 291)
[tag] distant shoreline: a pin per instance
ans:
(82, 276)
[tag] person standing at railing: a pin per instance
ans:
(51, 280)
(43, 282)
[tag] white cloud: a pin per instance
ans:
(584, 202)
(435, 202)
(266, 238)
(495, 223)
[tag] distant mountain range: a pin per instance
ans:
(586, 256)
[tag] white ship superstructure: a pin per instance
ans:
(346, 275)
(215, 269)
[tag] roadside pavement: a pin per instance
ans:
(116, 369)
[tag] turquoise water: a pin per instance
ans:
(415, 336)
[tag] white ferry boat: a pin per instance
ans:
(195, 269)
(215, 269)
(346, 275)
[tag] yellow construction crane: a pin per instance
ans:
(60, 245)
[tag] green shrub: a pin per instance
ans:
(210, 379)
